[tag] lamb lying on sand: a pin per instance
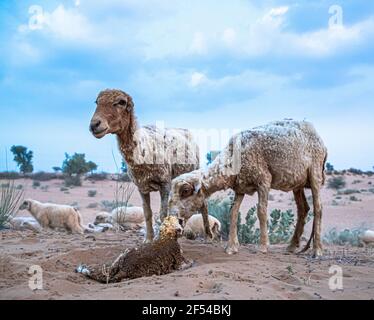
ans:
(195, 227)
(24, 223)
(121, 216)
(54, 216)
(160, 257)
(367, 237)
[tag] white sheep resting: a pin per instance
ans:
(284, 155)
(195, 227)
(24, 223)
(121, 216)
(54, 216)
(367, 237)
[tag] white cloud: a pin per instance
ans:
(198, 44)
(197, 78)
(229, 36)
(278, 11)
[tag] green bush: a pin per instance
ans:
(347, 236)
(92, 193)
(73, 181)
(281, 224)
(354, 198)
(43, 176)
(348, 192)
(97, 176)
(10, 198)
(35, 184)
(336, 183)
(10, 175)
(93, 205)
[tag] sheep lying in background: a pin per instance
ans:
(24, 223)
(121, 216)
(54, 216)
(157, 258)
(367, 237)
(195, 227)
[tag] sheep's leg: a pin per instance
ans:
(205, 214)
(263, 194)
(148, 216)
(233, 244)
(302, 212)
(164, 193)
(317, 206)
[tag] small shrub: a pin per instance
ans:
(63, 189)
(97, 176)
(355, 171)
(334, 203)
(10, 175)
(370, 183)
(354, 198)
(10, 197)
(336, 183)
(75, 204)
(371, 190)
(43, 176)
(110, 205)
(356, 181)
(36, 184)
(92, 193)
(44, 188)
(74, 180)
(348, 192)
(347, 236)
(93, 205)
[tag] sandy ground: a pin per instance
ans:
(247, 275)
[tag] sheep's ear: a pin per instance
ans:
(130, 104)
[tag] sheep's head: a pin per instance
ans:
(187, 195)
(25, 205)
(170, 228)
(113, 113)
(103, 217)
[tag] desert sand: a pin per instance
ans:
(214, 275)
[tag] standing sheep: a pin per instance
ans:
(284, 155)
(54, 216)
(154, 156)
(195, 227)
(160, 257)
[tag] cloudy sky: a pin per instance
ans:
(204, 65)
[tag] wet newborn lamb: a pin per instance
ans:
(53, 216)
(160, 257)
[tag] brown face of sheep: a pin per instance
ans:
(170, 228)
(185, 199)
(113, 112)
(25, 205)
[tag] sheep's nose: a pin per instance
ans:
(95, 124)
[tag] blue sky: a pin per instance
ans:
(203, 65)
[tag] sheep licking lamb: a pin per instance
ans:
(160, 257)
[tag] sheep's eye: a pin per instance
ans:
(186, 192)
(122, 102)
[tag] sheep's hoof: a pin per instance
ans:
(263, 248)
(232, 249)
(292, 248)
(317, 253)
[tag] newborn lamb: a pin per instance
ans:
(157, 258)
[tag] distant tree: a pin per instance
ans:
(57, 169)
(23, 158)
(75, 166)
(211, 156)
(329, 167)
